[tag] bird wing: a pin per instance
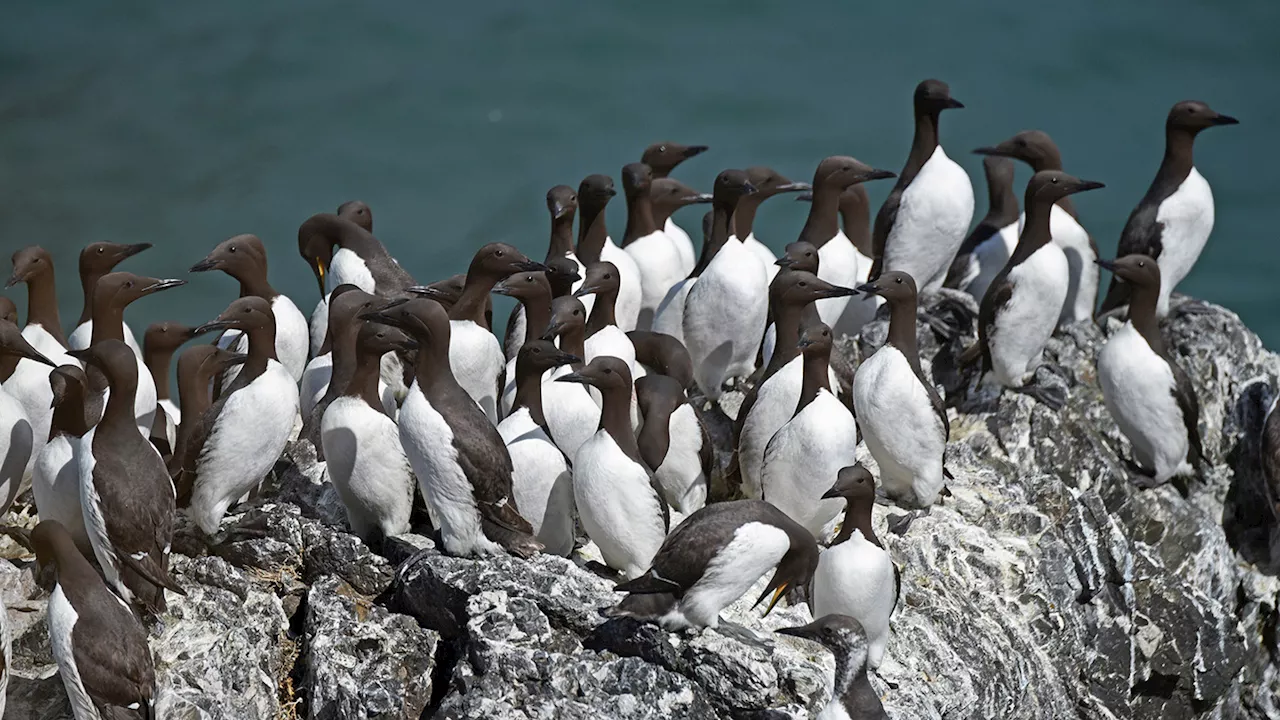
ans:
(998, 295)
(1143, 233)
(112, 656)
(1185, 393)
(885, 218)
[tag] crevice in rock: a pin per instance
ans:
(293, 655)
(1157, 685)
(448, 653)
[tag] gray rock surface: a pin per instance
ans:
(1046, 587)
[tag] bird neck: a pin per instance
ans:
(561, 243)
(472, 302)
(815, 377)
(253, 282)
(364, 379)
(529, 393)
(119, 408)
(1035, 232)
(824, 216)
(1002, 205)
(655, 437)
(262, 349)
(602, 312)
(592, 234)
(42, 305)
(853, 690)
(1143, 301)
(923, 144)
(857, 516)
(573, 340)
(71, 415)
(615, 418)
(902, 331)
(537, 315)
(640, 222)
(157, 363)
(856, 217)
(721, 215)
(744, 218)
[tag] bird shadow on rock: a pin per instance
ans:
(1248, 513)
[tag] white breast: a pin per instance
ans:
(428, 443)
(94, 522)
(900, 427)
(170, 409)
(838, 265)
(247, 439)
(144, 400)
(659, 263)
(29, 385)
(1187, 217)
(669, 317)
(683, 245)
(82, 337)
(1082, 287)
(627, 308)
(763, 254)
(933, 217)
(611, 341)
(348, 268)
(367, 465)
(540, 481)
(315, 382)
(804, 457)
(724, 317)
(680, 476)
(1137, 385)
(617, 505)
(55, 483)
(43, 341)
(17, 448)
(775, 404)
(990, 257)
(319, 325)
(1023, 326)
(856, 578)
(476, 359)
(293, 336)
(62, 619)
(572, 415)
(755, 549)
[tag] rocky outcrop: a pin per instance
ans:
(1046, 586)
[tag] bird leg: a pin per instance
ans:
(740, 633)
(898, 524)
(1054, 398)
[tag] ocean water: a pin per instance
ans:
(183, 124)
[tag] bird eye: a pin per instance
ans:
(101, 250)
(497, 253)
(803, 284)
(129, 284)
(573, 198)
(577, 312)
(537, 351)
(1054, 180)
(608, 371)
(608, 276)
(662, 148)
(231, 249)
(898, 280)
(1142, 263)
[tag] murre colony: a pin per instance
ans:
(578, 429)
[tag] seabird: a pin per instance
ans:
(713, 558)
(655, 255)
(926, 216)
(20, 441)
(159, 343)
(665, 355)
(1148, 394)
(805, 455)
(852, 697)
(988, 246)
(532, 290)
(125, 492)
(768, 183)
(662, 158)
(855, 576)
(564, 270)
(673, 443)
(595, 245)
(98, 259)
(1173, 220)
(462, 465)
(197, 367)
(618, 501)
(55, 479)
(541, 481)
(572, 414)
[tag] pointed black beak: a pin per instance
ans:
(565, 358)
(14, 279)
(698, 198)
(426, 291)
(1106, 264)
(953, 104)
(784, 262)
(837, 291)
(749, 189)
(833, 494)
(878, 175)
(214, 326)
(805, 197)
(802, 631)
(868, 289)
(560, 210)
(989, 150)
(162, 285)
(693, 150)
(552, 331)
(1225, 120)
(205, 265)
(29, 352)
(134, 249)
(1086, 185)
(84, 355)
(527, 265)
(585, 290)
(578, 378)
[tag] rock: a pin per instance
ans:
(224, 652)
(362, 661)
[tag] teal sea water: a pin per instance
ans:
(182, 124)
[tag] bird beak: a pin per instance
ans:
(802, 631)
(953, 104)
(832, 494)
(565, 358)
(877, 175)
(427, 291)
(1088, 185)
(868, 288)
(784, 262)
(134, 249)
(320, 275)
(805, 197)
(27, 351)
(552, 331)
(578, 378)
(83, 354)
(585, 290)
(528, 265)
(205, 265)
(1106, 264)
(214, 326)
(794, 187)
(697, 198)
(560, 210)
(804, 343)
(777, 595)
(501, 288)
(989, 150)
(159, 285)
(693, 150)
(1225, 120)
(14, 279)
(837, 291)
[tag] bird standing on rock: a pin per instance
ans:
(572, 414)
(595, 245)
(99, 646)
(855, 576)
(159, 343)
(656, 256)
(713, 558)
(197, 367)
(926, 216)
(805, 455)
(55, 479)
(673, 443)
(903, 419)
(987, 247)
(1021, 308)
(726, 309)
(20, 445)
(237, 441)
(1173, 220)
(461, 463)
(852, 697)
(1146, 391)
(362, 449)
(125, 492)
(618, 501)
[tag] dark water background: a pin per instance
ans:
(182, 124)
